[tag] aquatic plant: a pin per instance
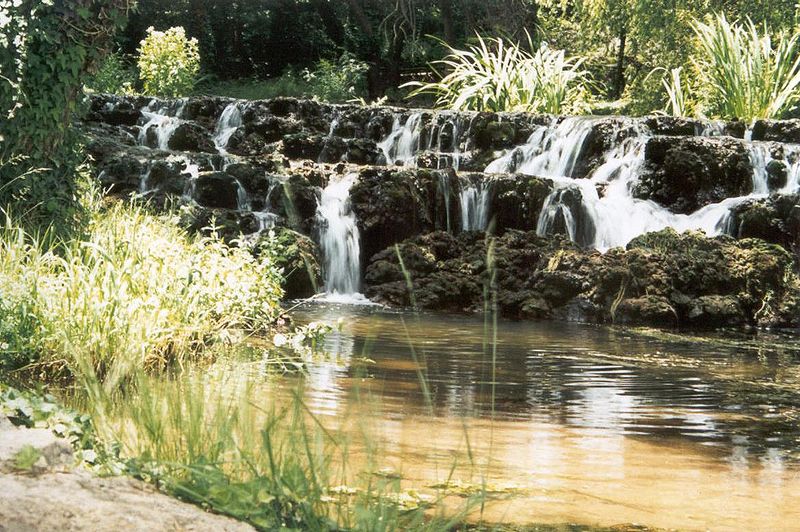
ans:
(500, 75)
(747, 73)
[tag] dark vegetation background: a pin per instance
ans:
(623, 40)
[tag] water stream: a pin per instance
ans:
(581, 424)
(598, 210)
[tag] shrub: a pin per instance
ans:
(113, 77)
(168, 63)
(497, 75)
(337, 81)
(747, 75)
(330, 81)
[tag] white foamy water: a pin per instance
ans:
(229, 122)
(339, 239)
(164, 119)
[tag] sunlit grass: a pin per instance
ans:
(137, 292)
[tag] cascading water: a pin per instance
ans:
(577, 209)
(400, 147)
(164, 119)
(339, 241)
(551, 151)
(229, 121)
(475, 198)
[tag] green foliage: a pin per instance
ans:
(46, 51)
(329, 81)
(26, 458)
(746, 74)
(337, 81)
(113, 77)
(137, 292)
(679, 102)
(499, 75)
(169, 62)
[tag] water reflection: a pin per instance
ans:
(604, 383)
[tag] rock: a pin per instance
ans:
(216, 190)
(116, 110)
(777, 130)
(76, 500)
(715, 311)
(687, 173)
(390, 206)
(775, 219)
(42, 450)
(517, 201)
(662, 279)
(189, 136)
(298, 256)
(646, 310)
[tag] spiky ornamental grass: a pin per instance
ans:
(499, 75)
(747, 75)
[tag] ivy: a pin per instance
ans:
(47, 48)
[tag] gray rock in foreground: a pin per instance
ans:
(52, 496)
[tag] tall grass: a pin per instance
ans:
(747, 75)
(499, 75)
(136, 292)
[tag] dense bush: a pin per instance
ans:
(329, 81)
(169, 62)
(113, 77)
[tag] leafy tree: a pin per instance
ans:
(47, 47)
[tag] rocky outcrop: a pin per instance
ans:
(687, 173)
(774, 219)
(271, 172)
(40, 490)
(662, 279)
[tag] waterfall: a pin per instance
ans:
(339, 241)
(401, 145)
(475, 200)
(229, 121)
(164, 118)
(551, 151)
(576, 207)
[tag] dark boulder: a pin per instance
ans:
(775, 219)
(687, 173)
(216, 190)
(190, 136)
(662, 279)
(777, 130)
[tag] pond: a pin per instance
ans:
(572, 423)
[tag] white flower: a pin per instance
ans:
(279, 340)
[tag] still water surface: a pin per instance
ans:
(593, 425)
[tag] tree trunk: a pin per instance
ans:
(619, 76)
(446, 9)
